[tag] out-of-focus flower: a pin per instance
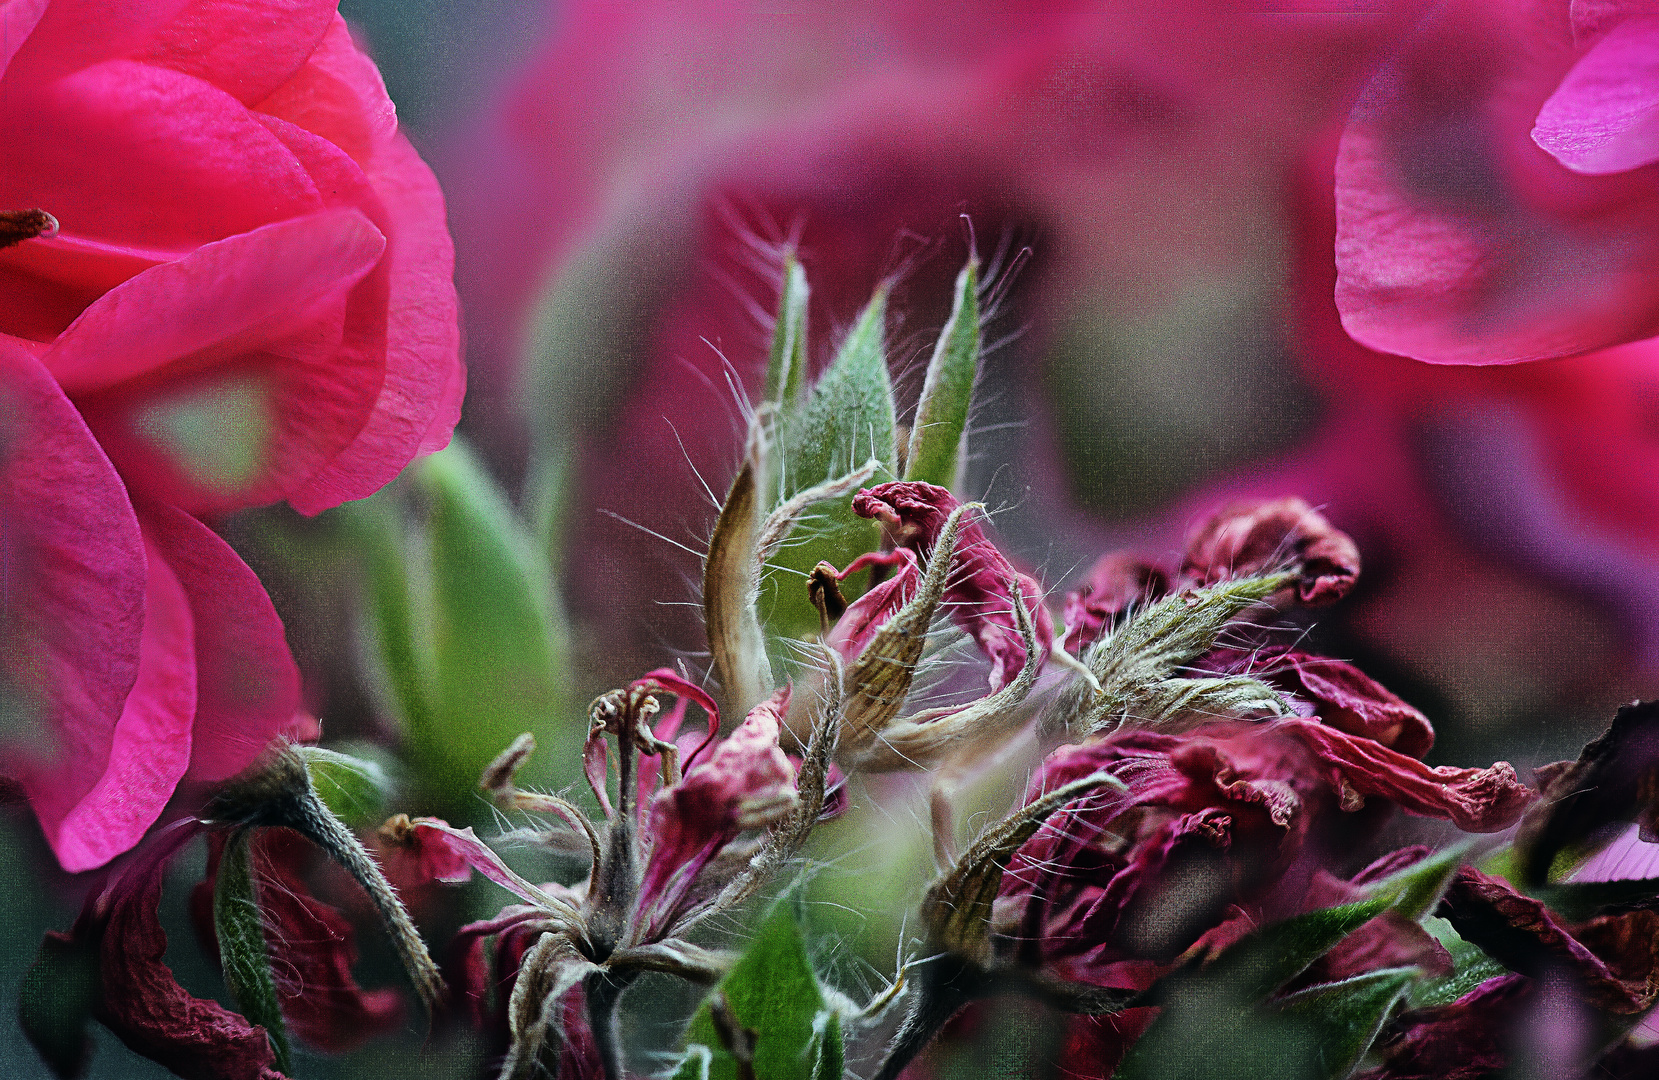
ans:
(246, 299)
(1098, 133)
(1493, 197)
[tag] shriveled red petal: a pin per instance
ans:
(1604, 117)
(746, 778)
(864, 617)
(1118, 582)
(141, 1001)
(979, 593)
(1613, 960)
(667, 679)
(1250, 538)
(1461, 1041)
(1475, 800)
(1347, 698)
(464, 845)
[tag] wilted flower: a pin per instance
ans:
(669, 853)
(239, 294)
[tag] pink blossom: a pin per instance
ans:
(246, 300)
(1491, 199)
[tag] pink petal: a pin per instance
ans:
(248, 687)
(265, 286)
(241, 399)
(74, 34)
(339, 95)
(247, 48)
(464, 845)
(1259, 536)
(1459, 240)
(1627, 858)
(72, 605)
(17, 22)
(692, 821)
(150, 748)
(666, 679)
(420, 401)
(130, 154)
(1604, 117)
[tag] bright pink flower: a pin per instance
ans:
(1463, 240)
(247, 299)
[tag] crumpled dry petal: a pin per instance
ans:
(1251, 538)
(312, 946)
(979, 591)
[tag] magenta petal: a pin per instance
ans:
(73, 34)
(129, 154)
(338, 95)
(248, 687)
(150, 749)
(463, 846)
(420, 402)
(247, 48)
(1604, 117)
(73, 626)
(1627, 858)
(259, 287)
(17, 21)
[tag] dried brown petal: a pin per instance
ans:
(1251, 538)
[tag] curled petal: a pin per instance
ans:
(979, 595)
(1247, 539)
(1475, 800)
(1338, 693)
(1461, 1041)
(140, 1000)
(1604, 117)
(1117, 583)
(747, 782)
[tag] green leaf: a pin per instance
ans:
(1267, 960)
(938, 439)
(773, 991)
(1576, 901)
(1471, 966)
(56, 1001)
(1349, 1014)
(1418, 888)
(241, 931)
(786, 366)
(848, 419)
(465, 624)
(354, 786)
(1216, 1022)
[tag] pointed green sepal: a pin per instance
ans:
(938, 438)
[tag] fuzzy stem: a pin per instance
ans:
(943, 987)
(278, 792)
(604, 992)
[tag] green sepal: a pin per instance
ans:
(938, 438)
(1471, 966)
(1348, 1015)
(354, 786)
(242, 953)
(772, 991)
(465, 625)
(1416, 890)
(786, 364)
(848, 419)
